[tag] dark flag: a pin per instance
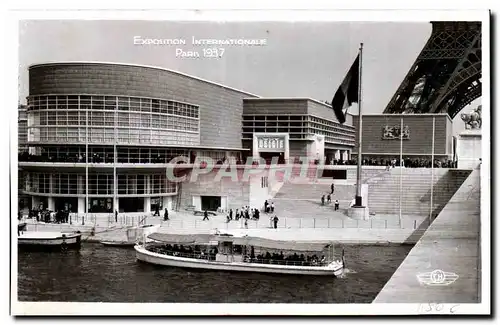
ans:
(347, 92)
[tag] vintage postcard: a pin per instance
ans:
(267, 163)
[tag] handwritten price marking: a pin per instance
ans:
(437, 308)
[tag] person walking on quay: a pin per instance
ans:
(332, 187)
(329, 199)
(230, 214)
(323, 200)
(272, 207)
(165, 215)
(237, 215)
(336, 205)
(205, 215)
(116, 215)
(275, 220)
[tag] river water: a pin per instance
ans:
(105, 274)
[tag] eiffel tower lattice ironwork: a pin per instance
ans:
(446, 76)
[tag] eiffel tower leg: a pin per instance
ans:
(446, 76)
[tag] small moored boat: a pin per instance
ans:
(134, 235)
(240, 253)
(39, 240)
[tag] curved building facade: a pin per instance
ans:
(114, 118)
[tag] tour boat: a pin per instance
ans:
(226, 252)
(40, 240)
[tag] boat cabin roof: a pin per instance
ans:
(191, 239)
(205, 239)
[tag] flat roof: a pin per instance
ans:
(138, 66)
(291, 98)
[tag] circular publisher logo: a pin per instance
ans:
(437, 276)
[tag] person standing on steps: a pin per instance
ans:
(205, 215)
(275, 220)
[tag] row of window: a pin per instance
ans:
(275, 118)
(126, 120)
(99, 184)
(77, 102)
(274, 126)
(124, 155)
(107, 135)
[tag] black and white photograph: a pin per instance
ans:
(335, 163)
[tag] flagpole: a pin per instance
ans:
(432, 165)
(359, 199)
(86, 161)
(401, 174)
(115, 140)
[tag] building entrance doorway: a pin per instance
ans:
(156, 204)
(210, 203)
(131, 204)
(100, 205)
(268, 157)
(69, 204)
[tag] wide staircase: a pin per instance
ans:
(314, 191)
(410, 188)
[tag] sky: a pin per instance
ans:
(300, 59)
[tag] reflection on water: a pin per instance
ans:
(109, 274)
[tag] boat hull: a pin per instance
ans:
(48, 241)
(167, 260)
(118, 243)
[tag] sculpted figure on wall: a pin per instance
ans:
(473, 120)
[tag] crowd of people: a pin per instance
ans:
(48, 216)
(161, 159)
(407, 162)
(188, 251)
(246, 213)
(291, 259)
(263, 258)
